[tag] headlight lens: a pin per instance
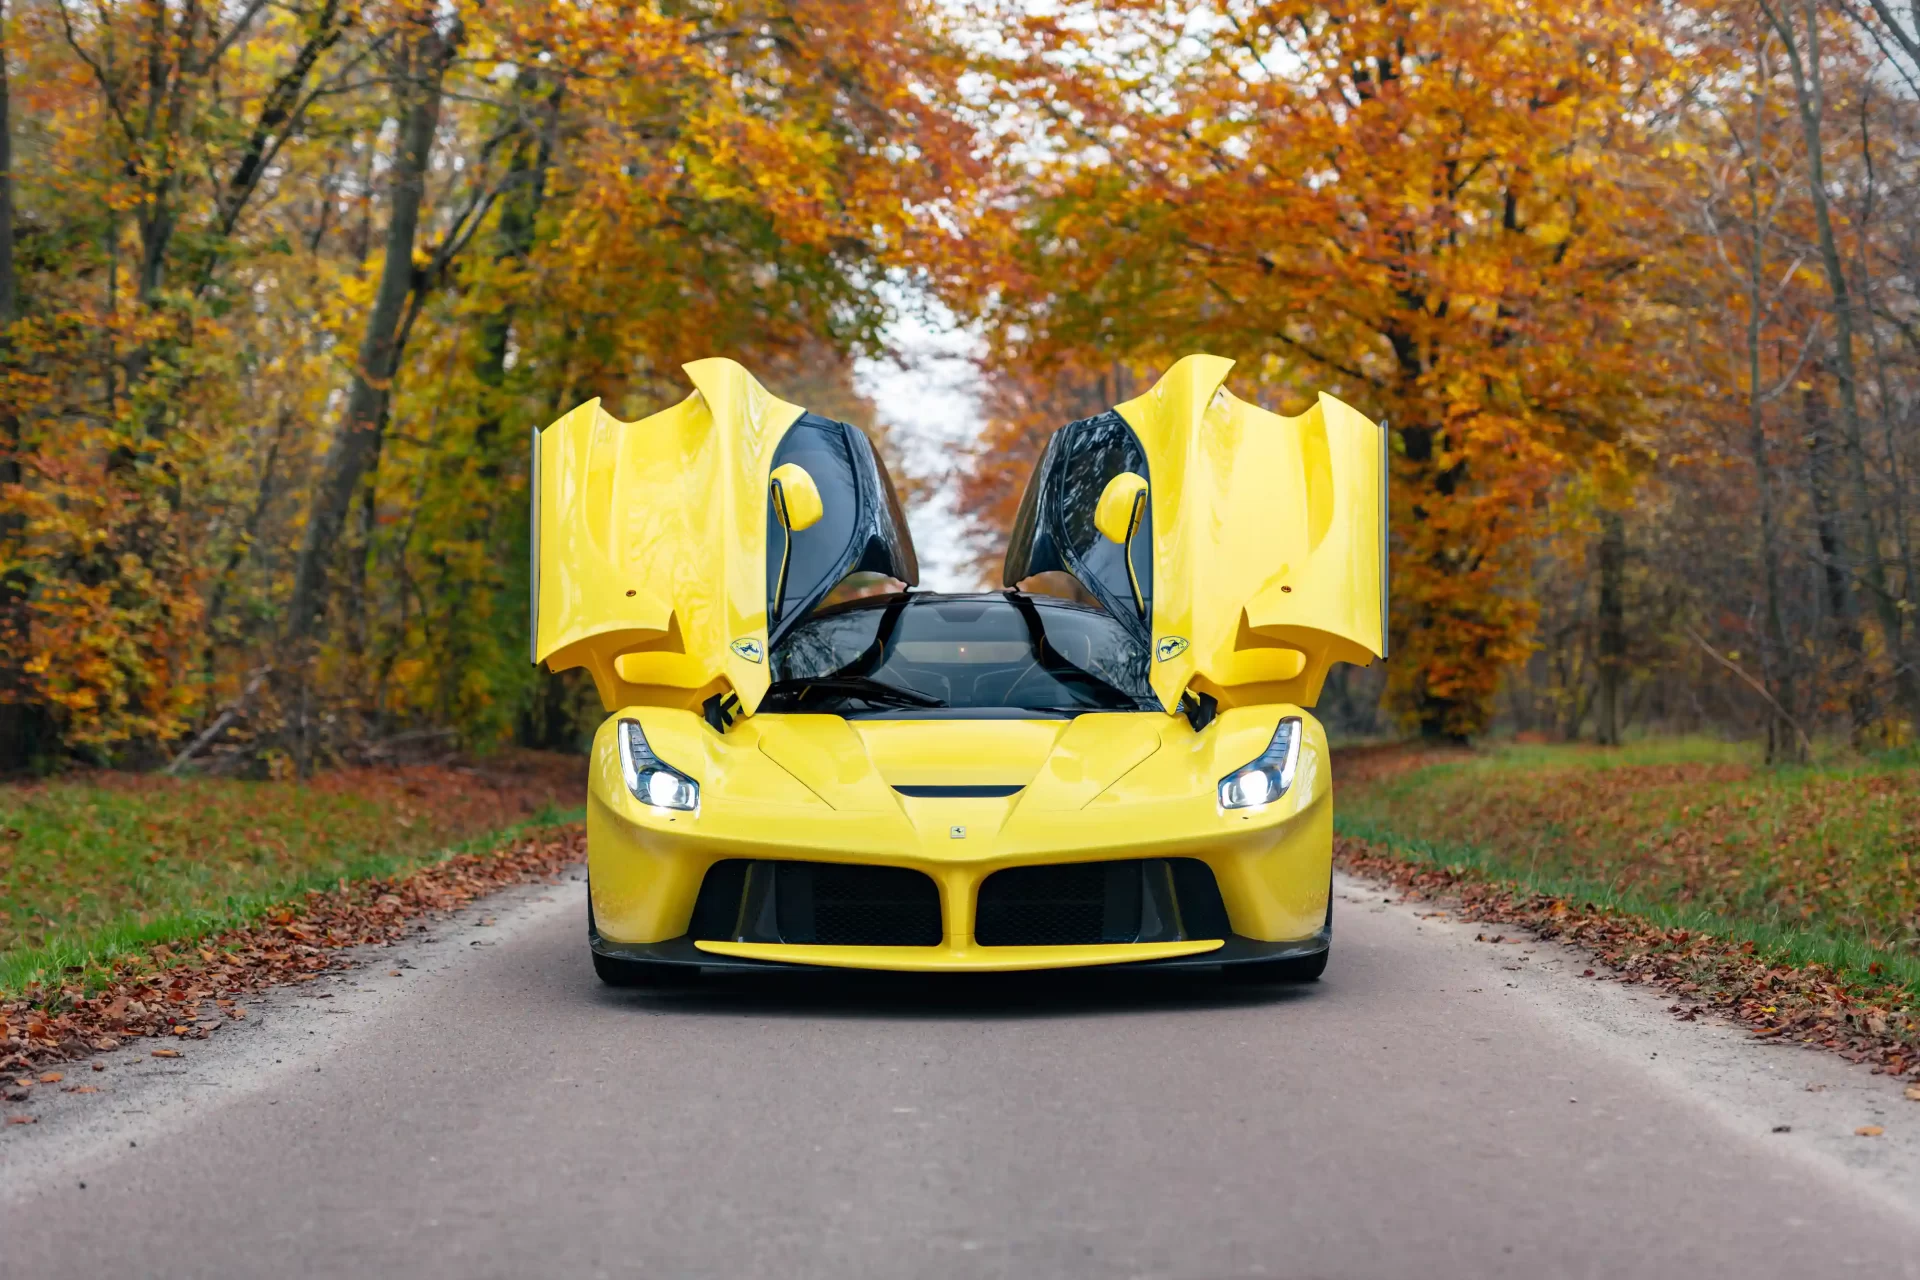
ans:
(1267, 778)
(652, 780)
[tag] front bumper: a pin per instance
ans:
(1269, 870)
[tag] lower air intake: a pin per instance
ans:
(1086, 903)
(857, 906)
(835, 904)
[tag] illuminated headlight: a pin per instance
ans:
(1266, 779)
(652, 780)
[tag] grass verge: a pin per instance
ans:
(185, 993)
(93, 869)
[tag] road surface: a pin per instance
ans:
(478, 1106)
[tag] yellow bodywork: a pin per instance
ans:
(821, 788)
(1269, 539)
(650, 563)
(650, 542)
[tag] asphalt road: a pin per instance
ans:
(1435, 1107)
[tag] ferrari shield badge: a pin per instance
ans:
(1170, 647)
(749, 648)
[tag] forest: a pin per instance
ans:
(284, 285)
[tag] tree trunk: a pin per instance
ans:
(1810, 97)
(356, 442)
(1776, 664)
(20, 718)
(1838, 596)
(1612, 629)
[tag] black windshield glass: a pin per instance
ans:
(950, 655)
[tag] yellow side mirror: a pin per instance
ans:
(796, 498)
(1122, 505)
(1122, 502)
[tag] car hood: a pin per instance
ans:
(871, 764)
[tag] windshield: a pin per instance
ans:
(914, 656)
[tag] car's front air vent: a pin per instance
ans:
(1084, 903)
(840, 904)
(992, 792)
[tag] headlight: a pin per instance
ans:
(1266, 779)
(652, 780)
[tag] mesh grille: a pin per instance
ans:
(856, 906)
(1044, 906)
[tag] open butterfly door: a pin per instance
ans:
(670, 554)
(1247, 550)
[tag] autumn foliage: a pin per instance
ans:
(283, 288)
(289, 285)
(1508, 230)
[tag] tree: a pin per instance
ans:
(1432, 213)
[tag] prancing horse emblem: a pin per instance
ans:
(749, 648)
(1170, 647)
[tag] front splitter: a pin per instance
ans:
(760, 957)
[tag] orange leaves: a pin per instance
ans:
(1430, 213)
(615, 189)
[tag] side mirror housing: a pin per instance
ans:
(1118, 512)
(796, 498)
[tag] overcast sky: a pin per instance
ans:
(927, 395)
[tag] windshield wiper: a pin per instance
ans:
(878, 692)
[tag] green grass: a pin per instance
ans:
(95, 868)
(1811, 863)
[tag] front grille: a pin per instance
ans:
(824, 903)
(1056, 906)
(856, 906)
(1084, 903)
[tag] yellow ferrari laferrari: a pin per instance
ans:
(984, 781)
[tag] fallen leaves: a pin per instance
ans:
(182, 993)
(1811, 1004)
(1868, 1131)
(1827, 848)
(107, 848)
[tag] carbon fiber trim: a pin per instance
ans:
(681, 951)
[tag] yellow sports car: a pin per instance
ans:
(993, 781)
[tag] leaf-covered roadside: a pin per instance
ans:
(1810, 1003)
(1591, 818)
(1700, 826)
(186, 995)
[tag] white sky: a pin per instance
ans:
(927, 395)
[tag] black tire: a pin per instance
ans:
(631, 973)
(1294, 969)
